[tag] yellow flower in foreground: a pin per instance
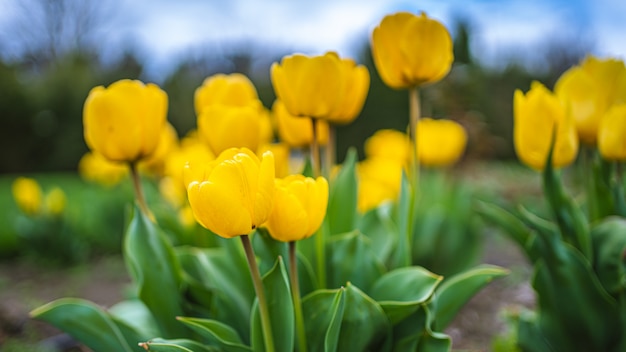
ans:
(411, 50)
(297, 131)
(579, 89)
(299, 207)
(388, 144)
(232, 90)
(233, 194)
(612, 134)
(536, 115)
(96, 168)
(124, 122)
(380, 180)
(440, 142)
(323, 87)
(224, 127)
(27, 195)
(55, 201)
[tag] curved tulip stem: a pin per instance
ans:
(266, 324)
(330, 152)
(141, 200)
(414, 169)
(295, 296)
(315, 149)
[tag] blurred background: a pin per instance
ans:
(52, 52)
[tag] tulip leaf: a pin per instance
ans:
(400, 292)
(342, 201)
(362, 269)
(222, 284)
(280, 307)
(404, 215)
(456, 290)
(155, 271)
(323, 311)
(414, 334)
(176, 345)
(135, 313)
(217, 333)
(267, 249)
(364, 326)
(378, 226)
(609, 244)
(89, 324)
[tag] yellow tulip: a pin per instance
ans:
(224, 127)
(388, 144)
(232, 90)
(167, 143)
(410, 50)
(96, 168)
(609, 74)
(281, 154)
(580, 90)
(296, 131)
(191, 151)
(612, 134)
(380, 180)
(27, 195)
(55, 201)
(440, 142)
(124, 122)
(536, 115)
(299, 207)
(233, 194)
(322, 87)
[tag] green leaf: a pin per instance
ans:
(222, 278)
(512, 225)
(414, 334)
(379, 227)
(267, 249)
(156, 273)
(457, 290)
(404, 216)
(280, 306)
(401, 292)
(342, 201)
(599, 198)
(362, 268)
(177, 345)
(89, 324)
(609, 244)
(134, 313)
(323, 311)
(217, 333)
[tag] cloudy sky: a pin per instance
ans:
(165, 28)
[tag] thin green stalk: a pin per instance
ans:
(320, 245)
(295, 296)
(141, 200)
(330, 152)
(266, 324)
(413, 172)
(315, 149)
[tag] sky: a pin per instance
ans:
(164, 29)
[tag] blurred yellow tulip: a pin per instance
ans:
(388, 144)
(411, 50)
(232, 90)
(191, 151)
(537, 115)
(224, 127)
(27, 195)
(282, 156)
(322, 87)
(299, 207)
(609, 74)
(233, 194)
(124, 122)
(55, 201)
(96, 168)
(168, 142)
(612, 134)
(379, 180)
(440, 142)
(297, 131)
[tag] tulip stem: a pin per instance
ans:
(319, 239)
(295, 296)
(141, 200)
(414, 169)
(266, 324)
(330, 152)
(315, 149)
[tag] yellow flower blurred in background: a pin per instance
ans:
(321, 87)
(124, 122)
(536, 115)
(612, 134)
(96, 168)
(282, 157)
(55, 201)
(233, 194)
(225, 89)
(379, 180)
(168, 142)
(296, 131)
(440, 143)
(299, 207)
(28, 195)
(411, 50)
(388, 144)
